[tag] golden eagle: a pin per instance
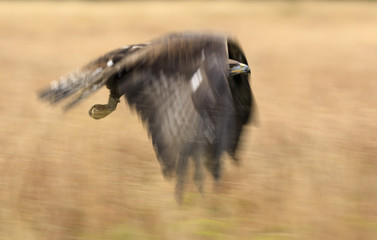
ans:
(192, 91)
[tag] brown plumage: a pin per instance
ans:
(184, 87)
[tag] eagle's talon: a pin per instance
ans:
(96, 113)
(99, 111)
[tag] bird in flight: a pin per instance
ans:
(190, 89)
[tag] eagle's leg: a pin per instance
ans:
(99, 111)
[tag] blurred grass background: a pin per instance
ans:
(308, 172)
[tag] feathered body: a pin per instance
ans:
(181, 87)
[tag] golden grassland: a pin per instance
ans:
(309, 170)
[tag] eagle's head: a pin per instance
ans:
(237, 68)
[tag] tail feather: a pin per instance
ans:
(82, 80)
(62, 88)
(88, 79)
(84, 94)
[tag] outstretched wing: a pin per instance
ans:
(89, 78)
(179, 88)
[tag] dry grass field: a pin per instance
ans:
(309, 171)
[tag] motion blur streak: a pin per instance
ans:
(308, 171)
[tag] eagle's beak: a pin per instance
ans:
(240, 68)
